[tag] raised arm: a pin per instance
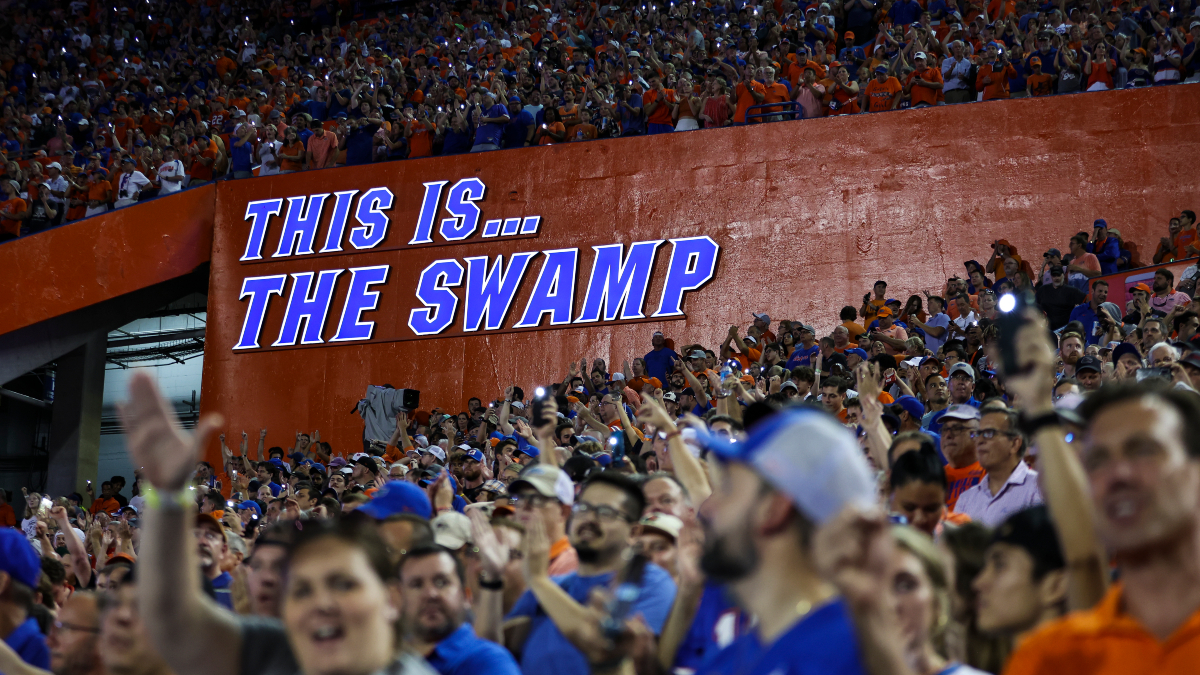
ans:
(172, 601)
(688, 469)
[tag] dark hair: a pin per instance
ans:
(1190, 214)
(940, 299)
(427, 550)
(1183, 317)
(922, 466)
(1033, 530)
(804, 373)
(618, 480)
(885, 361)
(839, 382)
(1100, 282)
(1186, 404)
(737, 426)
(1166, 273)
(304, 485)
(1013, 419)
(848, 313)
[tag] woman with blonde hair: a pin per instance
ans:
(920, 587)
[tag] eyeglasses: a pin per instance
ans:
(528, 500)
(989, 434)
(61, 626)
(600, 512)
(955, 430)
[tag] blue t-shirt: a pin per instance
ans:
(940, 320)
(221, 586)
(802, 356)
(456, 142)
(717, 624)
(631, 123)
(29, 644)
(318, 109)
(464, 653)
(241, 155)
(359, 143)
(548, 652)
(823, 643)
(660, 362)
(1087, 316)
(517, 130)
(491, 132)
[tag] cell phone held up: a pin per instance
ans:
(1011, 319)
(538, 417)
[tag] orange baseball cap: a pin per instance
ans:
(884, 311)
(1142, 287)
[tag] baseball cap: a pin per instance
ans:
(210, 520)
(18, 558)
(1054, 253)
(1032, 530)
(664, 523)
(1100, 222)
(807, 455)
(961, 368)
(1123, 349)
(495, 486)
(1035, 61)
(697, 354)
(762, 315)
(1088, 362)
(881, 69)
(451, 529)
(808, 327)
(398, 497)
(436, 451)
(1142, 287)
(859, 352)
(751, 339)
(54, 165)
(337, 462)
(250, 504)
(671, 396)
(961, 411)
(474, 454)
(548, 481)
(919, 55)
(911, 406)
(884, 311)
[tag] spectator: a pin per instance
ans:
(1106, 249)
(1010, 486)
(1057, 299)
(129, 183)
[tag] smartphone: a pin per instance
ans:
(625, 596)
(1162, 372)
(538, 418)
(1010, 320)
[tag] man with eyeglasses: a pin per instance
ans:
(212, 547)
(74, 636)
(545, 493)
(1011, 486)
(959, 424)
(1057, 298)
(550, 626)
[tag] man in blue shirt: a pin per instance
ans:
(1088, 313)
(661, 359)
(1106, 248)
(806, 351)
(517, 131)
(20, 569)
(360, 140)
(489, 123)
(549, 625)
(212, 547)
(435, 606)
(759, 524)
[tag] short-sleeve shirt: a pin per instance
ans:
(1018, 493)
(29, 644)
(322, 148)
(802, 356)
(548, 652)
(718, 622)
(490, 133)
(823, 642)
(940, 320)
(959, 481)
(881, 94)
(464, 653)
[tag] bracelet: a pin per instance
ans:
(167, 500)
(1031, 425)
(496, 585)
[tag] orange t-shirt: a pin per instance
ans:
(100, 191)
(959, 480)
(420, 144)
(881, 94)
(853, 329)
(922, 94)
(1104, 640)
(661, 114)
(556, 127)
(1182, 241)
(105, 504)
(1040, 85)
(745, 100)
(11, 207)
(999, 85)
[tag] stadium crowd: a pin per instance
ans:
(945, 485)
(105, 104)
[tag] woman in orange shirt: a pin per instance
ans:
(553, 131)
(291, 155)
(845, 94)
(689, 105)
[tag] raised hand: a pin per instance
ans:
(493, 553)
(166, 453)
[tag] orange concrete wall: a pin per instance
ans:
(85, 262)
(807, 214)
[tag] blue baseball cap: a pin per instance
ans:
(808, 455)
(18, 558)
(475, 455)
(250, 504)
(397, 497)
(528, 450)
(859, 352)
(1100, 222)
(911, 406)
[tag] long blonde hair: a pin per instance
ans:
(923, 549)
